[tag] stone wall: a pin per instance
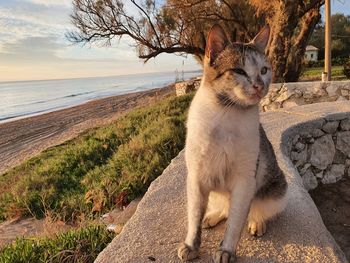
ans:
(185, 87)
(285, 95)
(322, 155)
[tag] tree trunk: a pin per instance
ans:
(296, 56)
(282, 29)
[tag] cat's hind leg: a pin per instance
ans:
(261, 210)
(217, 209)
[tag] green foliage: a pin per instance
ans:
(340, 36)
(104, 166)
(315, 73)
(338, 61)
(346, 69)
(82, 245)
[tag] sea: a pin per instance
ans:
(20, 99)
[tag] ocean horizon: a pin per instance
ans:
(21, 99)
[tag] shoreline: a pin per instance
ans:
(24, 138)
(58, 108)
(35, 97)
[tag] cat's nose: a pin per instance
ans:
(258, 88)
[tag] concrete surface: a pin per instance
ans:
(297, 235)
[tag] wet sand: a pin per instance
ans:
(24, 138)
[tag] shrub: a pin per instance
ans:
(82, 245)
(346, 69)
(336, 61)
(91, 173)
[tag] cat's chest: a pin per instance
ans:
(228, 133)
(224, 143)
(232, 131)
(224, 135)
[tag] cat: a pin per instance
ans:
(232, 169)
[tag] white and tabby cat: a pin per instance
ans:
(232, 169)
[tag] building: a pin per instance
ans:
(311, 53)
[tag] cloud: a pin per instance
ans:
(32, 19)
(66, 3)
(50, 48)
(33, 46)
(26, 18)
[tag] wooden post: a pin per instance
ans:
(327, 50)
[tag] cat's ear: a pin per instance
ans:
(261, 39)
(216, 42)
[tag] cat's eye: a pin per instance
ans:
(263, 70)
(239, 71)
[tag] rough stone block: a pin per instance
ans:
(322, 152)
(334, 174)
(343, 142)
(331, 126)
(185, 87)
(345, 124)
(316, 133)
(332, 90)
(309, 180)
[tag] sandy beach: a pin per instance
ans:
(24, 138)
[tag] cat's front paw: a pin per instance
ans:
(185, 253)
(221, 256)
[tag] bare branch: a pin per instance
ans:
(180, 26)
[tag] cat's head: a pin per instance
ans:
(239, 73)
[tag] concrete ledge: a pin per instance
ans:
(297, 235)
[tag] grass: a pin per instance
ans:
(102, 168)
(82, 245)
(315, 73)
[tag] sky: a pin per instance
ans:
(33, 46)
(339, 6)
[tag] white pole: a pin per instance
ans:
(327, 51)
